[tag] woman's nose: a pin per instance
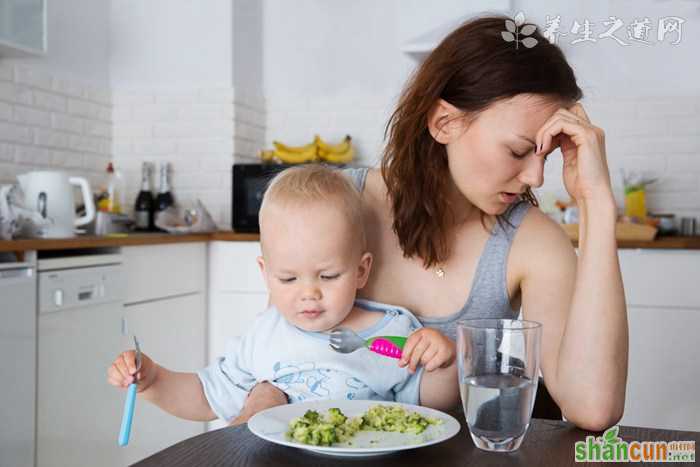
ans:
(532, 174)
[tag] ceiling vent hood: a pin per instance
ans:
(420, 46)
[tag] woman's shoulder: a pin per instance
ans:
(540, 241)
(538, 229)
(374, 183)
(375, 192)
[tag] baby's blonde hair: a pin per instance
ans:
(315, 183)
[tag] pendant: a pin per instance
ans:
(440, 272)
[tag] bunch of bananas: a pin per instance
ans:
(317, 150)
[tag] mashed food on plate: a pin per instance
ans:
(335, 427)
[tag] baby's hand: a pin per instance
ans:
(427, 347)
(121, 373)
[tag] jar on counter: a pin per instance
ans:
(688, 226)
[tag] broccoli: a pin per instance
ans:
(335, 417)
(335, 427)
(395, 418)
(312, 416)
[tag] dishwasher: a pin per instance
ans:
(80, 303)
(17, 362)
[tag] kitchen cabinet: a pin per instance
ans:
(171, 332)
(231, 314)
(237, 291)
(236, 294)
(155, 272)
(663, 371)
(22, 27)
(233, 267)
(661, 278)
(663, 310)
(165, 308)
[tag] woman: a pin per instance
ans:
(450, 219)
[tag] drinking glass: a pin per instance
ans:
(498, 364)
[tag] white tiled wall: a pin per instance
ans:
(50, 121)
(198, 130)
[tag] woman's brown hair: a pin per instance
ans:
(472, 68)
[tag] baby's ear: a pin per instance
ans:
(363, 269)
(261, 264)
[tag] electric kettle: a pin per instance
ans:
(51, 194)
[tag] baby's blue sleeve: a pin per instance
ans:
(408, 391)
(228, 380)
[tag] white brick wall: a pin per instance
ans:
(52, 122)
(197, 130)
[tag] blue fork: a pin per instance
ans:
(129, 402)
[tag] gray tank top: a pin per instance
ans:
(488, 297)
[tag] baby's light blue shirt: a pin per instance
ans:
(302, 364)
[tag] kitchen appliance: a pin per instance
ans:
(51, 194)
(18, 365)
(107, 223)
(249, 184)
(250, 181)
(81, 307)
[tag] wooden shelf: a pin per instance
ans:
(660, 243)
(132, 239)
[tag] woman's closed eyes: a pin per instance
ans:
(518, 156)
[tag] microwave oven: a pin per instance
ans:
(250, 181)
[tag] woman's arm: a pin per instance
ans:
(597, 321)
(581, 306)
(580, 303)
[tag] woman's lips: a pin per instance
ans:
(509, 198)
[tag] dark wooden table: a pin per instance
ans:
(547, 443)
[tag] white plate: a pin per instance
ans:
(272, 425)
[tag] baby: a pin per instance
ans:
(314, 260)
